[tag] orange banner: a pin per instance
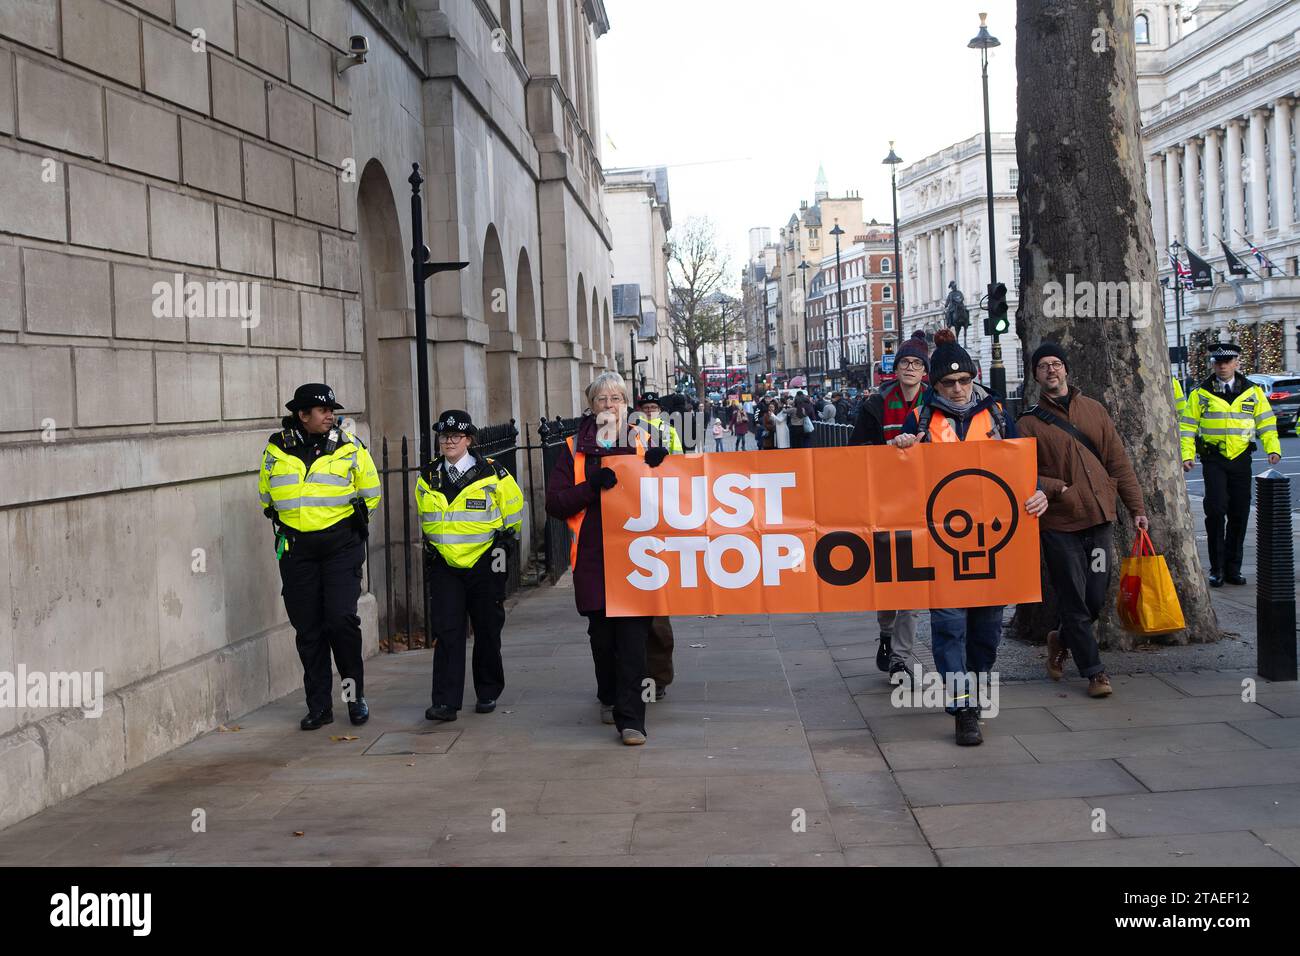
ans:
(827, 529)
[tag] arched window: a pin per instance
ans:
(1141, 29)
(885, 266)
(888, 293)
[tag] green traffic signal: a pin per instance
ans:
(998, 318)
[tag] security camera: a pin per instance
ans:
(358, 47)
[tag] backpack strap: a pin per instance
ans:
(923, 422)
(1044, 415)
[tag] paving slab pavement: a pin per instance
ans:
(779, 744)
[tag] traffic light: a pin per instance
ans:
(997, 322)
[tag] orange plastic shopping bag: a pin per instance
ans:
(1147, 602)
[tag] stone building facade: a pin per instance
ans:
(1220, 128)
(943, 228)
(213, 147)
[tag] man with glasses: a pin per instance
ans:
(880, 419)
(965, 640)
(1223, 417)
(1082, 467)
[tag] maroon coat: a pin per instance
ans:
(565, 499)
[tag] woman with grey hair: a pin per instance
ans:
(580, 476)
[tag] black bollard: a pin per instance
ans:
(1275, 578)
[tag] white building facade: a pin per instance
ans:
(1220, 126)
(944, 230)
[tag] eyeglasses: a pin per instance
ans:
(956, 382)
(606, 399)
(453, 436)
(911, 363)
(1050, 366)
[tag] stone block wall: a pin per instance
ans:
(142, 141)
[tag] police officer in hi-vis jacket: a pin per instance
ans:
(470, 513)
(318, 485)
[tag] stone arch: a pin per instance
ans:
(502, 349)
(584, 335)
(597, 327)
(388, 360)
(610, 337)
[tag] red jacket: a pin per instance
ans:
(565, 499)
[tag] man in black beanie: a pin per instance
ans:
(1082, 466)
(880, 418)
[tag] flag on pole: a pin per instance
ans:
(1235, 266)
(1202, 276)
(1260, 257)
(1184, 274)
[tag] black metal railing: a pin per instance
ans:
(829, 435)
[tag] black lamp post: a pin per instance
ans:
(839, 300)
(892, 162)
(985, 41)
(803, 278)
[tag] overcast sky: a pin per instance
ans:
(755, 93)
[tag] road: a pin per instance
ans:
(1289, 466)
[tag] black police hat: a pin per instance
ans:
(312, 395)
(649, 398)
(455, 420)
(1225, 350)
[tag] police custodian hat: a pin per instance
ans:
(312, 395)
(648, 398)
(1225, 350)
(455, 420)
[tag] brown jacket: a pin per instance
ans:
(1080, 492)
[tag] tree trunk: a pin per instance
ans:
(1085, 214)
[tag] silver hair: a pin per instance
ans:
(607, 380)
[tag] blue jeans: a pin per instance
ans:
(965, 640)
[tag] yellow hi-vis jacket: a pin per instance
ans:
(1180, 402)
(1229, 428)
(671, 440)
(462, 528)
(322, 497)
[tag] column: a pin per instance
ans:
(1258, 177)
(1192, 195)
(1213, 201)
(1233, 200)
(934, 266)
(1156, 190)
(1173, 197)
(1283, 171)
(941, 273)
(954, 254)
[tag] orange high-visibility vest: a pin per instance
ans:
(579, 476)
(981, 428)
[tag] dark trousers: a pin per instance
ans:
(321, 577)
(659, 651)
(1078, 563)
(618, 647)
(1227, 497)
(467, 595)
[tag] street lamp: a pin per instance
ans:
(839, 299)
(1175, 251)
(803, 278)
(892, 161)
(985, 41)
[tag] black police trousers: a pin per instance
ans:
(1227, 498)
(467, 595)
(321, 574)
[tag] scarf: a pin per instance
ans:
(951, 408)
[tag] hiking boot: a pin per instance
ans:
(882, 652)
(968, 728)
(661, 691)
(1057, 655)
(606, 713)
(1234, 578)
(1216, 579)
(633, 738)
(440, 712)
(1099, 686)
(898, 670)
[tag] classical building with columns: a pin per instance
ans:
(236, 146)
(943, 227)
(1219, 126)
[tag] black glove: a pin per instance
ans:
(602, 478)
(654, 457)
(361, 518)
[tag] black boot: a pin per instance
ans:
(315, 719)
(882, 653)
(1216, 579)
(1234, 577)
(441, 712)
(968, 727)
(359, 712)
